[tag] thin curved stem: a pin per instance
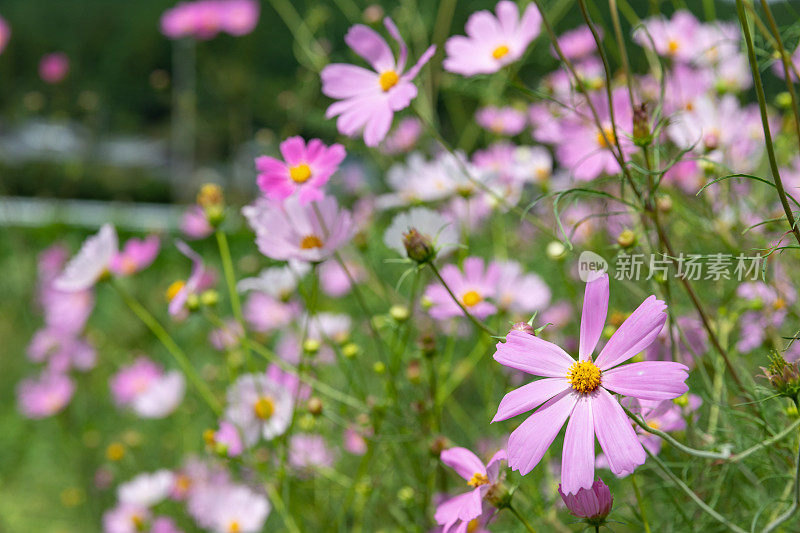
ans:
(480, 325)
(230, 281)
(172, 347)
(796, 501)
(521, 518)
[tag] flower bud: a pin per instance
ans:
(664, 203)
(524, 327)
(350, 350)
(593, 505)
(211, 199)
(626, 239)
(311, 346)
(209, 298)
(438, 445)
(783, 100)
(413, 371)
(406, 495)
(556, 250)
(399, 312)
(642, 136)
(783, 376)
(419, 247)
(314, 406)
(379, 367)
(499, 495)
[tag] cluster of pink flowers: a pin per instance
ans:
(5, 34)
(205, 19)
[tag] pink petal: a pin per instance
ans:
(378, 125)
(345, 81)
(533, 355)
(530, 440)
(461, 505)
(464, 462)
(623, 450)
(593, 318)
(493, 466)
(529, 397)
(293, 150)
(650, 380)
(577, 456)
(635, 334)
(367, 43)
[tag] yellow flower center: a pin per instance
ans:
(174, 289)
(138, 522)
(115, 451)
(310, 241)
(655, 424)
(605, 137)
(234, 527)
(478, 479)
(210, 437)
(264, 408)
(471, 298)
(779, 304)
(672, 46)
(300, 173)
(500, 52)
(542, 174)
(584, 376)
(473, 525)
(388, 79)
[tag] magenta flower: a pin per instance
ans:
(579, 390)
(456, 513)
(228, 437)
(472, 287)
(5, 34)
(367, 99)
(136, 255)
(53, 68)
(239, 17)
(194, 224)
(592, 504)
(44, 396)
(305, 169)
(492, 42)
(205, 19)
(293, 230)
(501, 120)
(577, 43)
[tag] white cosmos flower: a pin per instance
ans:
(83, 270)
(234, 508)
(428, 223)
(259, 406)
(278, 282)
(146, 489)
(161, 397)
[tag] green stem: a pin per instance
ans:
(521, 518)
(280, 507)
(640, 503)
(230, 281)
(796, 501)
(172, 347)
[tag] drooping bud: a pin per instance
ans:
(593, 505)
(642, 136)
(419, 247)
(783, 376)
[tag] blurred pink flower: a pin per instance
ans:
(492, 42)
(354, 441)
(62, 350)
(473, 288)
(333, 279)
(501, 120)
(136, 255)
(5, 34)
(404, 136)
(293, 230)
(239, 17)
(53, 68)
(227, 336)
(369, 99)
(90, 263)
(579, 390)
(205, 19)
(228, 436)
(147, 389)
(456, 513)
(577, 43)
(520, 292)
(44, 396)
(305, 169)
(125, 518)
(199, 279)
(194, 223)
(308, 452)
(258, 407)
(264, 313)
(674, 38)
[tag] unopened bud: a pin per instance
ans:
(427, 343)
(399, 312)
(210, 195)
(499, 495)
(379, 367)
(556, 250)
(193, 302)
(783, 376)
(350, 350)
(413, 371)
(626, 239)
(664, 203)
(419, 247)
(438, 445)
(783, 100)
(642, 136)
(311, 346)
(406, 495)
(524, 327)
(209, 298)
(314, 406)
(373, 14)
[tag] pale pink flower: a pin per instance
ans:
(227, 336)
(147, 389)
(136, 255)
(228, 437)
(474, 287)
(404, 136)
(579, 390)
(125, 518)
(519, 292)
(53, 68)
(577, 43)
(264, 313)
(90, 263)
(369, 99)
(492, 42)
(239, 17)
(228, 507)
(334, 280)
(62, 350)
(456, 513)
(501, 120)
(194, 224)
(309, 452)
(258, 407)
(5, 34)
(293, 230)
(304, 171)
(44, 396)
(354, 441)
(674, 38)
(146, 489)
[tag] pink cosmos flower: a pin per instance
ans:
(404, 136)
(501, 120)
(228, 437)
(62, 349)
(579, 390)
(519, 292)
(333, 279)
(226, 508)
(264, 313)
(44, 396)
(259, 407)
(354, 441)
(5, 34)
(674, 38)
(309, 452)
(125, 518)
(194, 224)
(305, 169)
(200, 278)
(53, 68)
(592, 504)
(367, 99)
(205, 19)
(66, 311)
(577, 43)
(136, 255)
(147, 389)
(472, 287)
(456, 513)
(492, 42)
(90, 263)
(227, 336)
(239, 17)
(293, 230)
